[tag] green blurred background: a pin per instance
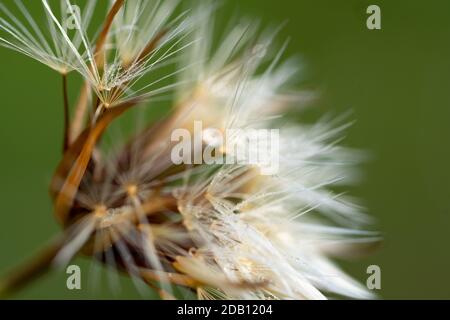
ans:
(395, 80)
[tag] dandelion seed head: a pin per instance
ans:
(225, 230)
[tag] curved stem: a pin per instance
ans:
(98, 51)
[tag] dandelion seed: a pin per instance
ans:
(48, 46)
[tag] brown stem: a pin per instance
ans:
(151, 45)
(80, 111)
(66, 113)
(30, 271)
(105, 30)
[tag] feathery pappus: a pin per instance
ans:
(223, 230)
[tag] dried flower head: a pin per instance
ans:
(223, 230)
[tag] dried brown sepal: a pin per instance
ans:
(67, 193)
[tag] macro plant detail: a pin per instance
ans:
(222, 231)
